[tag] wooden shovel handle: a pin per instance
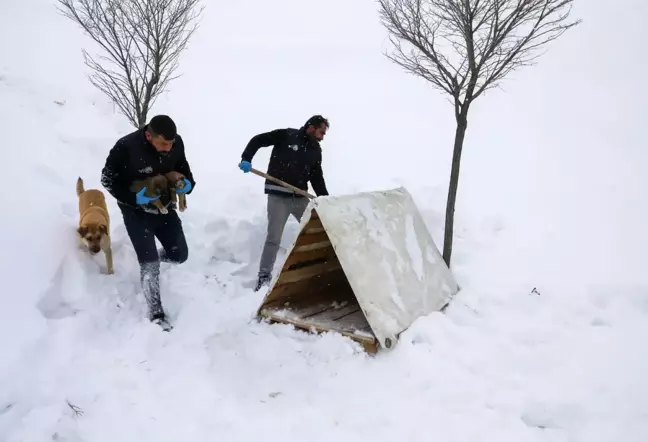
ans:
(282, 183)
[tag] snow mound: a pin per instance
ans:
(545, 341)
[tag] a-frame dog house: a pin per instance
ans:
(364, 266)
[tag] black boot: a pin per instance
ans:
(263, 279)
(161, 320)
(150, 279)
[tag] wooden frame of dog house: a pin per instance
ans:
(363, 265)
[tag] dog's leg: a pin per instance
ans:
(109, 257)
(183, 202)
(178, 198)
(160, 206)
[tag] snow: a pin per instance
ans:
(413, 247)
(552, 197)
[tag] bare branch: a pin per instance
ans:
(76, 410)
(142, 41)
(465, 47)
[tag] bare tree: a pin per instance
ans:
(142, 41)
(466, 47)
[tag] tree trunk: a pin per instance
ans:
(460, 133)
(141, 119)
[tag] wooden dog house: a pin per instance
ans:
(363, 265)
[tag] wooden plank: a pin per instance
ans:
(314, 222)
(353, 322)
(350, 322)
(323, 296)
(322, 311)
(308, 290)
(332, 285)
(290, 292)
(364, 330)
(313, 246)
(333, 314)
(304, 311)
(326, 254)
(309, 272)
(313, 226)
(370, 344)
(328, 314)
(304, 239)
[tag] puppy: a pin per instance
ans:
(157, 185)
(176, 181)
(94, 223)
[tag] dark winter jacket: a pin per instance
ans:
(134, 158)
(295, 159)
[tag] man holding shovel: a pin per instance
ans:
(295, 160)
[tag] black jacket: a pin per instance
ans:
(134, 158)
(295, 159)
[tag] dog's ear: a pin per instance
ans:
(83, 231)
(103, 229)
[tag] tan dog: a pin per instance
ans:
(176, 181)
(157, 185)
(94, 223)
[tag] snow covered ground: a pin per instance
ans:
(552, 198)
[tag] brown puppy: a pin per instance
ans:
(94, 223)
(176, 181)
(156, 185)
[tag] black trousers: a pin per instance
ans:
(143, 228)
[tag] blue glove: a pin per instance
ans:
(245, 166)
(140, 198)
(186, 188)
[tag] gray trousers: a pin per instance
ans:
(279, 209)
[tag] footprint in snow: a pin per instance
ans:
(52, 304)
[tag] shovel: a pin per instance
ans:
(282, 183)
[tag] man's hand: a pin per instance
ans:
(186, 188)
(140, 198)
(245, 166)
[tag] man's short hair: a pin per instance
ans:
(162, 125)
(316, 121)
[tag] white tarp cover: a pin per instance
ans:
(388, 256)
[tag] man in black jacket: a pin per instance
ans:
(296, 159)
(154, 149)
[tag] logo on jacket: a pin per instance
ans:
(147, 169)
(294, 147)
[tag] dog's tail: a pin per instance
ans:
(79, 187)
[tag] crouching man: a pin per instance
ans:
(296, 159)
(153, 149)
